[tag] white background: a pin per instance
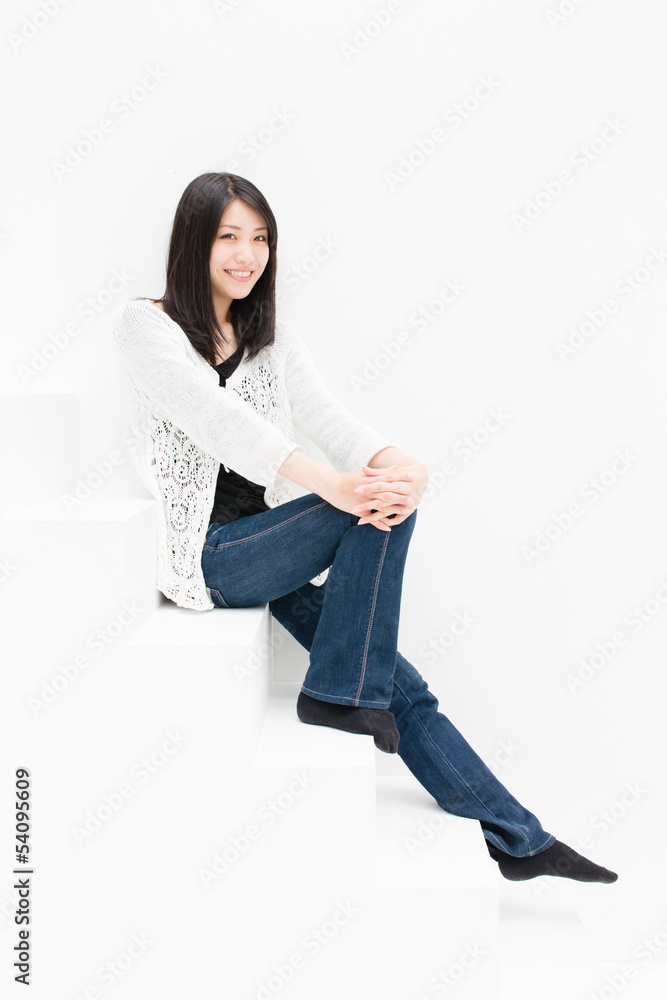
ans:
(359, 101)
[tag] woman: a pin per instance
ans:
(217, 387)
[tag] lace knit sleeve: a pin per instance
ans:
(179, 389)
(347, 442)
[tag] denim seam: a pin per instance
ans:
(214, 590)
(447, 761)
(492, 837)
(370, 620)
(353, 704)
(538, 850)
(259, 534)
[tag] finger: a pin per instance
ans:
(386, 496)
(377, 519)
(390, 474)
(372, 488)
(389, 480)
(390, 522)
(395, 519)
(382, 514)
(394, 497)
(398, 502)
(382, 524)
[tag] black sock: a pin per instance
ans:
(376, 722)
(559, 860)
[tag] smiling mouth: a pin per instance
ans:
(239, 275)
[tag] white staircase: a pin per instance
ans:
(191, 836)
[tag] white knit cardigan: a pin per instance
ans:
(187, 425)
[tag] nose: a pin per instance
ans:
(245, 254)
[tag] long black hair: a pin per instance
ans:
(188, 297)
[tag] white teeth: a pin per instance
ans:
(241, 274)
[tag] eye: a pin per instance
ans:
(260, 236)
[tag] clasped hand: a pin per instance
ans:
(384, 497)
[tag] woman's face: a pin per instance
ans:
(241, 244)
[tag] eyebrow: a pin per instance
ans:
(226, 225)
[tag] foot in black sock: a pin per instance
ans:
(376, 722)
(559, 860)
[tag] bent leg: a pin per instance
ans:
(261, 557)
(431, 746)
(354, 648)
(264, 556)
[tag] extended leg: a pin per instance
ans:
(447, 766)
(434, 750)
(457, 778)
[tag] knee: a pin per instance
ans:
(408, 525)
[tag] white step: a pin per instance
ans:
(224, 654)
(243, 761)
(285, 741)
(102, 506)
(288, 808)
(532, 931)
(417, 843)
(74, 573)
(334, 841)
(39, 449)
(171, 625)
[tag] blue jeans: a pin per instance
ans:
(350, 626)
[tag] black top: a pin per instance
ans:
(235, 496)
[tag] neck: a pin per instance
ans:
(221, 304)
